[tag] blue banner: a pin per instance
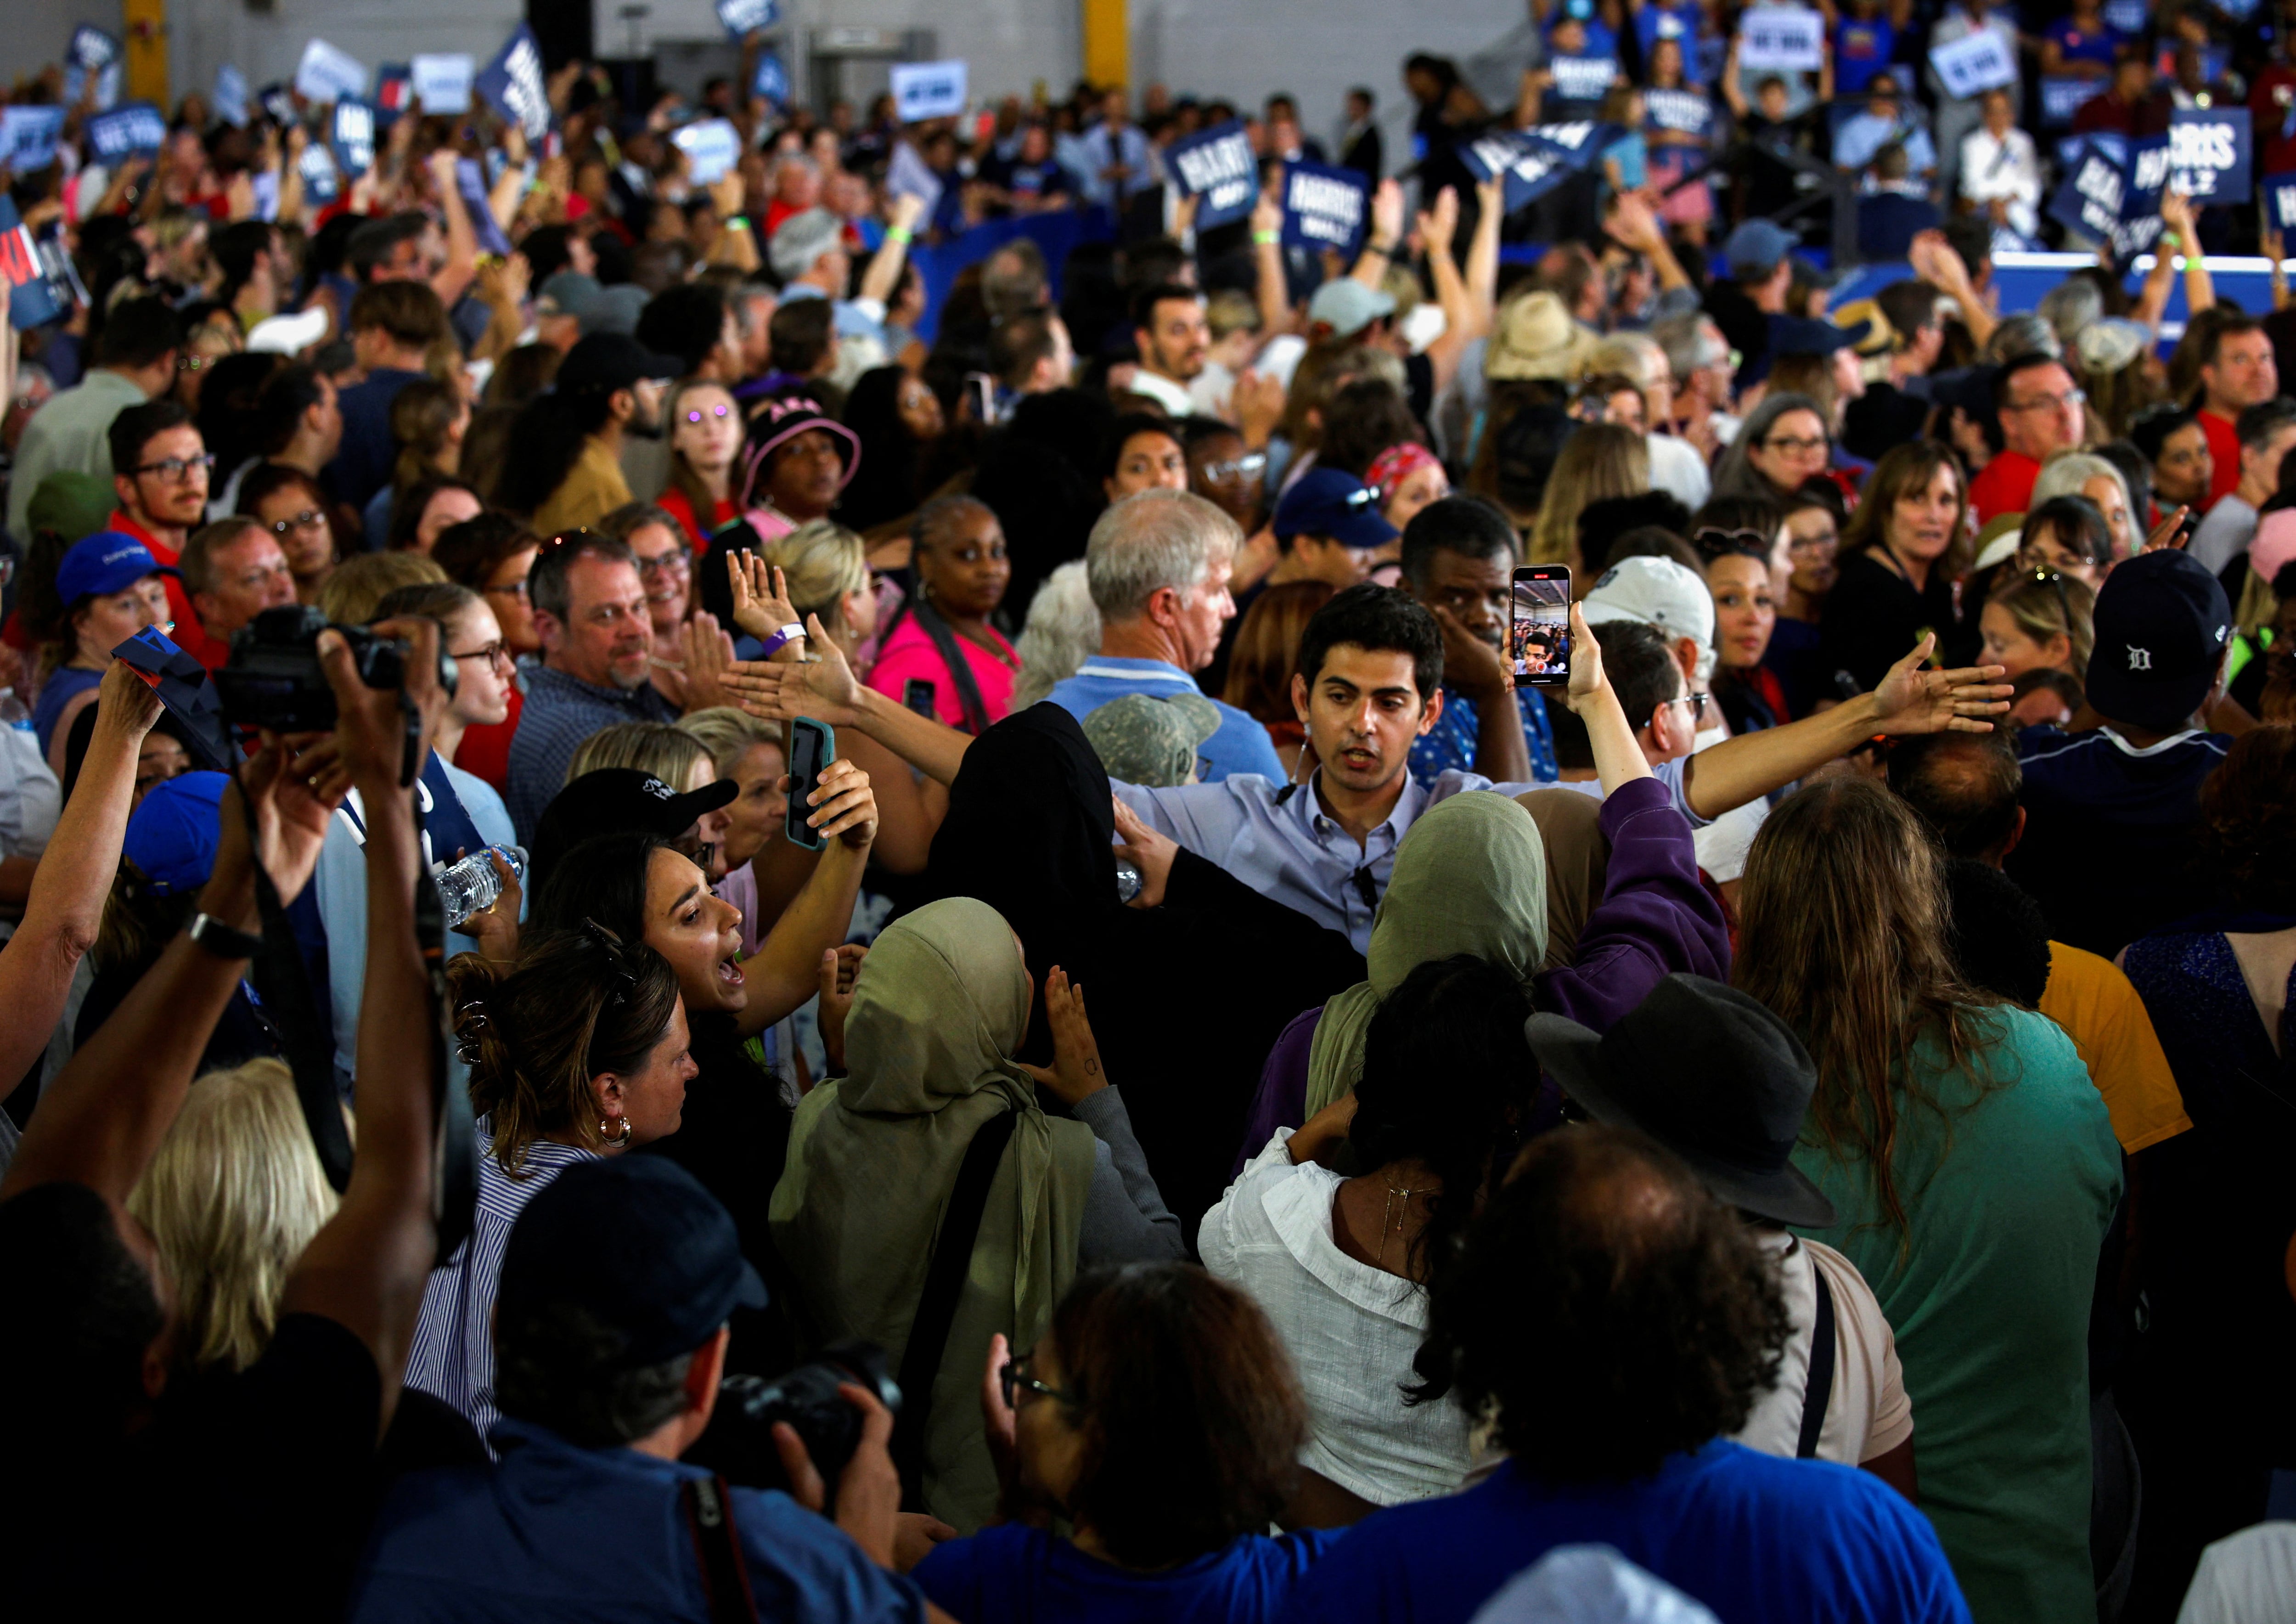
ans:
(1219, 168)
(92, 52)
(2209, 154)
(351, 133)
(125, 131)
(1530, 170)
(28, 135)
(442, 82)
(2090, 198)
(1580, 143)
(512, 84)
(744, 18)
(394, 92)
(32, 300)
(2061, 99)
(2280, 202)
(277, 104)
(771, 80)
(471, 180)
(1688, 112)
(230, 97)
(1581, 79)
(321, 180)
(1326, 208)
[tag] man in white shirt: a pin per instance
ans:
(1730, 1104)
(1175, 338)
(2000, 171)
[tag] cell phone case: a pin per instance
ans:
(793, 823)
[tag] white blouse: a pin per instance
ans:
(1352, 1331)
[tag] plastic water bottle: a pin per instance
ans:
(12, 711)
(472, 885)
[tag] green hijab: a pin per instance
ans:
(1470, 877)
(941, 1001)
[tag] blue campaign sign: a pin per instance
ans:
(1688, 112)
(1326, 208)
(1579, 143)
(321, 180)
(471, 180)
(32, 299)
(394, 92)
(442, 83)
(326, 74)
(2280, 202)
(2146, 168)
(28, 135)
(230, 97)
(1973, 64)
(711, 147)
(351, 133)
(2061, 99)
(513, 83)
(744, 18)
(1581, 79)
(2209, 154)
(771, 81)
(277, 104)
(92, 54)
(125, 131)
(927, 90)
(1218, 168)
(1530, 170)
(2089, 199)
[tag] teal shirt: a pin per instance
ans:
(2007, 1198)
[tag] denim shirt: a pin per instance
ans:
(1449, 746)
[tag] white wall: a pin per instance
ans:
(33, 33)
(266, 45)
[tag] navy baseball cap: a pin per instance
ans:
(2162, 623)
(1756, 248)
(620, 800)
(103, 563)
(172, 837)
(1800, 335)
(639, 1244)
(1326, 501)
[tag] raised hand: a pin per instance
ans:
(1438, 226)
(1910, 700)
(780, 692)
(841, 969)
(761, 603)
(1076, 1070)
(292, 785)
(1587, 682)
(1387, 214)
(2168, 533)
(844, 805)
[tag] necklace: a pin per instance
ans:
(1390, 1220)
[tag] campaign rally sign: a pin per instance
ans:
(277, 104)
(394, 92)
(907, 175)
(471, 180)
(230, 97)
(1529, 171)
(321, 180)
(2126, 16)
(2089, 200)
(771, 80)
(1326, 208)
(1580, 142)
(1973, 64)
(1688, 112)
(744, 18)
(31, 296)
(125, 131)
(927, 90)
(2280, 202)
(326, 74)
(2209, 154)
(2061, 99)
(1582, 78)
(94, 56)
(1218, 168)
(442, 83)
(711, 147)
(28, 135)
(2148, 172)
(351, 133)
(1781, 38)
(513, 83)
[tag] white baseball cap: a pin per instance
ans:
(1655, 592)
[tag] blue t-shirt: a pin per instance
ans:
(1758, 1539)
(1681, 23)
(66, 684)
(1861, 49)
(1241, 745)
(2079, 44)
(1030, 1577)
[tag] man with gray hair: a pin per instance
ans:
(1158, 564)
(807, 253)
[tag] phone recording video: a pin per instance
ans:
(1539, 637)
(812, 747)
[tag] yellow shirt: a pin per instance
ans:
(592, 488)
(2101, 1013)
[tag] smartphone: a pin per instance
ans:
(1538, 639)
(983, 388)
(812, 747)
(2183, 537)
(917, 694)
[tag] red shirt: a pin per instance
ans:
(2269, 105)
(2004, 487)
(2224, 449)
(484, 749)
(189, 635)
(680, 506)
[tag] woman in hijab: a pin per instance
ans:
(1028, 832)
(940, 1005)
(1473, 876)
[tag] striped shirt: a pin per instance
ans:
(453, 1356)
(559, 713)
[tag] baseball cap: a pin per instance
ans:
(612, 361)
(1536, 338)
(287, 335)
(1347, 307)
(1756, 249)
(640, 1245)
(1880, 338)
(567, 293)
(620, 800)
(1145, 740)
(1327, 502)
(1798, 335)
(799, 241)
(1709, 1073)
(1654, 592)
(2162, 621)
(616, 309)
(105, 562)
(2109, 343)
(172, 836)
(71, 504)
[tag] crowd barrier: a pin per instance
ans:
(1056, 235)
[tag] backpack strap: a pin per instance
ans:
(1818, 1390)
(708, 1507)
(960, 670)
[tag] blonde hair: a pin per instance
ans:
(1599, 461)
(233, 1196)
(728, 734)
(2044, 604)
(823, 563)
(1631, 355)
(364, 580)
(669, 753)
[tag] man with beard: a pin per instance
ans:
(1174, 336)
(615, 386)
(1458, 559)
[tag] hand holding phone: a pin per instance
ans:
(1538, 633)
(812, 747)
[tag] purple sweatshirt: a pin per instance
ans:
(1655, 918)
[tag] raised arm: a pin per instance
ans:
(1267, 259)
(462, 242)
(884, 272)
(785, 971)
(1386, 232)
(1437, 227)
(826, 689)
(73, 878)
(1617, 757)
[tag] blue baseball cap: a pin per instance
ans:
(1802, 335)
(105, 562)
(1326, 501)
(638, 1243)
(1757, 249)
(172, 837)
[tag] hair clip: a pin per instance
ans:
(617, 962)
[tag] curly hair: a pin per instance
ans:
(1606, 1309)
(2248, 819)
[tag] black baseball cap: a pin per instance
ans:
(2162, 622)
(614, 361)
(640, 1244)
(620, 800)
(1800, 335)
(1709, 1073)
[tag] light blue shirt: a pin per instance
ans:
(1859, 138)
(1241, 745)
(1101, 150)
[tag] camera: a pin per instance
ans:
(738, 1443)
(274, 679)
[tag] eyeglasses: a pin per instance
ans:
(2054, 403)
(515, 590)
(175, 467)
(1793, 445)
(309, 519)
(721, 413)
(1251, 466)
(673, 562)
(192, 364)
(495, 653)
(1696, 702)
(1805, 545)
(1012, 1377)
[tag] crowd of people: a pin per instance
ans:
(976, 958)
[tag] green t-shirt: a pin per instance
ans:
(2006, 1198)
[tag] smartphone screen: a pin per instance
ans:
(917, 694)
(812, 747)
(1539, 638)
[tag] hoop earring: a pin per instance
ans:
(610, 1140)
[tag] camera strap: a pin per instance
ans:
(708, 1507)
(952, 1261)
